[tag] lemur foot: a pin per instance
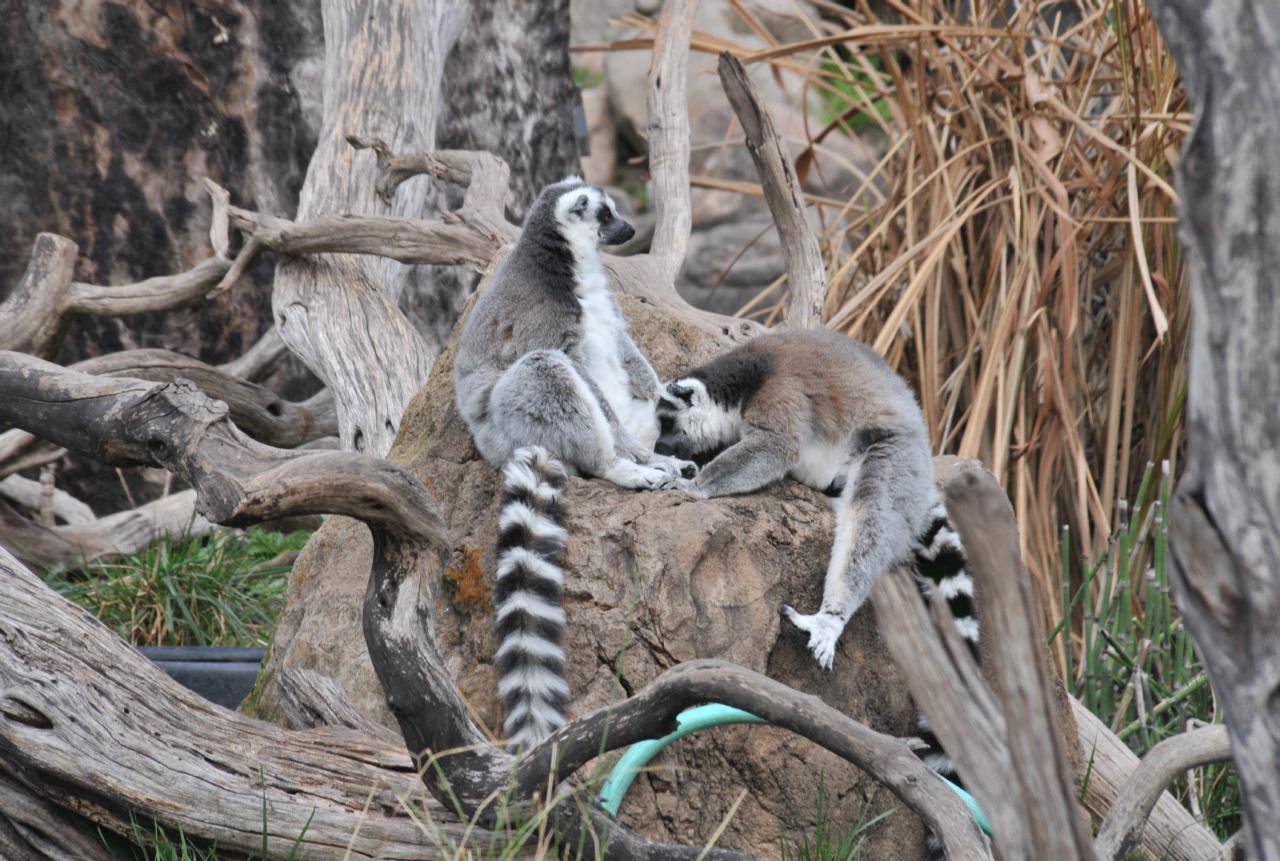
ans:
(824, 633)
(684, 485)
(675, 466)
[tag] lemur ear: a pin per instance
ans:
(684, 394)
(580, 205)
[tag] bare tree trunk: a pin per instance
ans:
(1226, 509)
(383, 65)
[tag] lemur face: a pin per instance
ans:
(693, 426)
(588, 216)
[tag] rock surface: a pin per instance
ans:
(653, 579)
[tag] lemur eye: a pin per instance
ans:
(605, 216)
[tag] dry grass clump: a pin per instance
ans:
(1014, 250)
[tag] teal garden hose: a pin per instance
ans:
(691, 720)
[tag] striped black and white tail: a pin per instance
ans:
(528, 597)
(940, 571)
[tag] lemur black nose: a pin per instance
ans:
(619, 232)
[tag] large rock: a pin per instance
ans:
(653, 579)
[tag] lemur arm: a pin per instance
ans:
(623, 442)
(759, 458)
(643, 379)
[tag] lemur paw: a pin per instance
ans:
(824, 631)
(684, 485)
(674, 465)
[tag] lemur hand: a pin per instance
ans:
(684, 485)
(824, 632)
(674, 465)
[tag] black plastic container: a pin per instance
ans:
(221, 675)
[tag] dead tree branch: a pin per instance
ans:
(20, 450)
(806, 273)
(113, 720)
(256, 410)
(29, 493)
(1225, 512)
(668, 137)
(239, 482)
(1164, 762)
(1170, 831)
(1007, 746)
(36, 315)
(119, 534)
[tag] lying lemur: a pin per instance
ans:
(827, 411)
(548, 380)
(830, 413)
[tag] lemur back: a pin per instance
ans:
(549, 381)
(827, 411)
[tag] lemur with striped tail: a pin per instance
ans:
(549, 382)
(827, 411)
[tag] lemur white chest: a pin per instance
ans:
(821, 463)
(602, 332)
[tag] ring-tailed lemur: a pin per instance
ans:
(827, 411)
(548, 380)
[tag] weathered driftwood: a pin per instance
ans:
(1224, 536)
(255, 409)
(383, 63)
(806, 273)
(1006, 744)
(20, 450)
(119, 534)
(240, 482)
(36, 315)
(31, 495)
(1164, 762)
(1170, 832)
(33, 828)
(93, 727)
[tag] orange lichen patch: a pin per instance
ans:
(470, 591)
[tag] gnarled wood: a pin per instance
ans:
(255, 409)
(1225, 537)
(1170, 831)
(34, 318)
(95, 727)
(120, 534)
(383, 65)
(1008, 746)
(1164, 762)
(806, 273)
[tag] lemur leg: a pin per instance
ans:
(879, 514)
(542, 400)
(760, 458)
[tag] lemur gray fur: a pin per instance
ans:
(827, 411)
(548, 381)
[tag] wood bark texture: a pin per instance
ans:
(1009, 745)
(806, 273)
(382, 71)
(1225, 514)
(239, 482)
(1170, 831)
(1164, 762)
